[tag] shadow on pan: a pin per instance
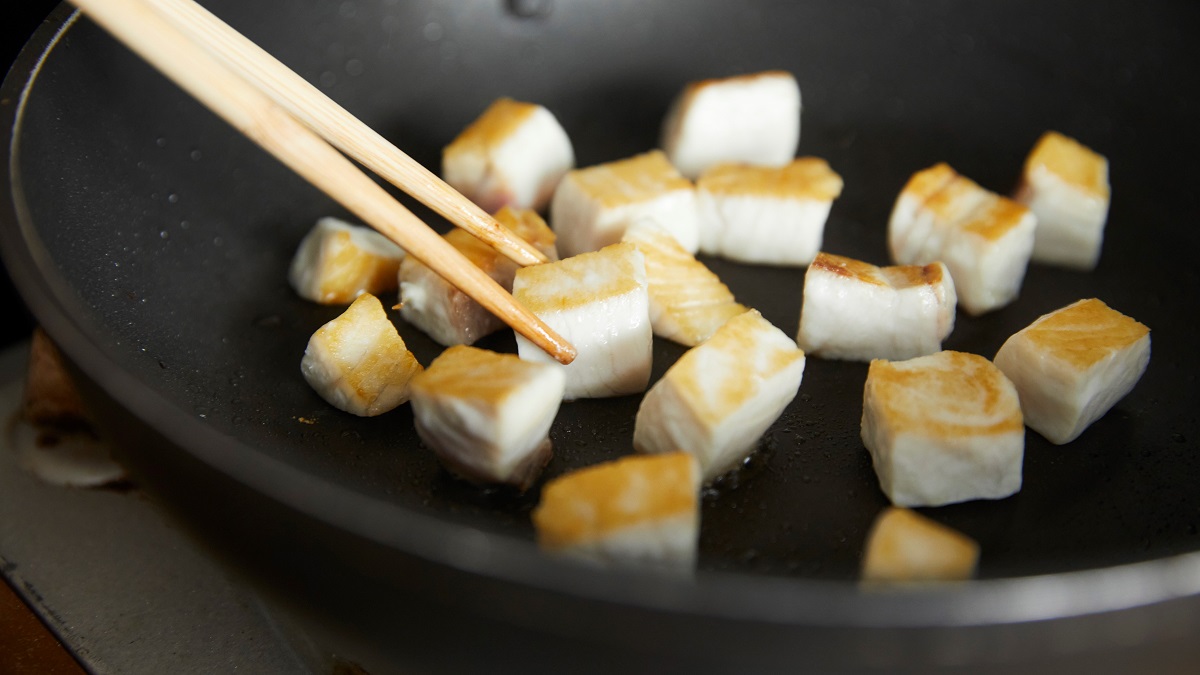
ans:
(153, 242)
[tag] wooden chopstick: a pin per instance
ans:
(252, 112)
(342, 129)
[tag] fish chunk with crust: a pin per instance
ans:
(514, 154)
(634, 511)
(943, 428)
(719, 398)
(904, 546)
(358, 362)
(487, 416)
(336, 262)
(1073, 365)
(598, 301)
(984, 239)
(766, 215)
(593, 206)
(754, 119)
(1065, 184)
(444, 312)
(856, 311)
(688, 302)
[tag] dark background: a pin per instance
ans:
(18, 20)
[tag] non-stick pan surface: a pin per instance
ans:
(153, 241)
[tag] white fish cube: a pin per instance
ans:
(766, 215)
(445, 313)
(487, 416)
(943, 428)
(336, 262)
(637, 510)
(904, 546)
(688, 303)
(358, 362)
(593, 206)
(1065, 184)
(856, 311)
(719, 398)
(512, 155)
(984, 239)
(599, 303)
(1071, 366)
(749, 118)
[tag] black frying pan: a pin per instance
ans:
(152, 242)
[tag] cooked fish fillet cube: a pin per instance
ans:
(719, 398)
(984, 239)
(943, 428)
(445, 313)
(513, 155)
(904, 546)
(358, 362)
(1065, 184)
(749, 118)
(632, 511)
(336, 262)
(767, 215)
(593, 206)
(1071, 366)
(688, 303)
(856, 311)
(487, 416)
(598, 302)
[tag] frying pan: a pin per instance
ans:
(152, 242)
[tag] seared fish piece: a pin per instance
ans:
(636, 510)
(943, 428)
(593, 206)
(487, 416)
(1071, 366)
(358, 362)
(719, 398)
(856, 311)
(984, 239)
(1065, 184)
(687, 301)
(445, 313)
(749, 118)
(904, 546)
(598, 302)
(514, 154)
(766, 215)
(336, 262)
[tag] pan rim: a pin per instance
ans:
(443, 542)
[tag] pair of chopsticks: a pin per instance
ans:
(295, 122)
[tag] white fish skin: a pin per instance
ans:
(688, 302)
(513, 155)
(751, 118)
(856, 311)
(358, 362)
(1073, 365)
(638, 510)
(599, 302)
(943, 428)
(445, 313)
(1065, 184)
(984, 239)
(336, 262)
(487, 416)
(719, 398)
(592, 206)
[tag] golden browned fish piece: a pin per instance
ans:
(1065, 184)
(904, 546)
(1071, 366)
(336, 262)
